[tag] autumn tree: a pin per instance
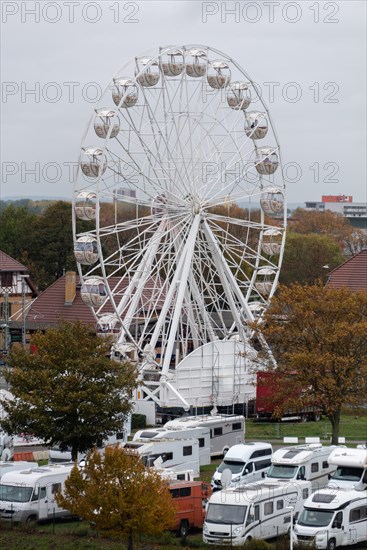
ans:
(308, 258)
(318, 338)
(119, 495)
(68, 392)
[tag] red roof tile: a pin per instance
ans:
(351, 274)
(7, 263)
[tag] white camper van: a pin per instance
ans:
(333, 518)
(247, 462)
(261, 510)
(175, 454)
(308, 462)
(29, 495)
(351, 468)
(199, 433)
(225, 429)
(6, 467)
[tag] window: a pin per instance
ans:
(181, 492)
(55, 488)
(358, 514)
(262, 464)
(280, 504)
(236, 426)
(261, 452)
(167, 456)
(218, 431)
(304, 494)
(257, 512)
(315, 467)
(201, 442)
(6, 278)
(268, 508)
(248, 468)
(325, 464)
(187, 451)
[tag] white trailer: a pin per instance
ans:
(306, 462)
(225, 429)
(261, 510)
(332, 518)
(350, 467)
(6, 467)
(199, 433)
(175, 454)
(246, 462)
(29, 495)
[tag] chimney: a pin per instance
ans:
(70, 287)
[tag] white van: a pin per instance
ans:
(175, 454)
(308, 462)
(333, 518)
(6, 467)
(351, 468)
(247, 463)
(261, 510)
(199, 433)
(225, 429)
(29, 495)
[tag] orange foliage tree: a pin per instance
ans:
(318, 338)
(119, 495)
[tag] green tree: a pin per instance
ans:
(318, 338)
(17, 224)
(68, 391)
(119, 495)
(309, 257)
(51, 248)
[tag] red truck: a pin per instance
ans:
(270, 395)
(189, 499)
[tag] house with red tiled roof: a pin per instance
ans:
(16, 292)
(351, 274)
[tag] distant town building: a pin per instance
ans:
(351, 274)
(16, 293)
(355, 212)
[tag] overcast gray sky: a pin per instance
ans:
(309, 59)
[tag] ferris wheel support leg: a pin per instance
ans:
(184, 265)
(216, 254)
(226, 271)
(141, 276)
(184, 275)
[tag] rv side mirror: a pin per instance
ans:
(329, 476)
(263, 475)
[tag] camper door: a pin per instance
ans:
(39, 500)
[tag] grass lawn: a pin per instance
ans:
(353, 427)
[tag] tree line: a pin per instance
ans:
(39, 235)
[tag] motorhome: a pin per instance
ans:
(189, 501)
(225, 429)
(350, 467)
(246, 461)
(175, 454)
(199, 433)
(6, 467)
(260, 510)
(308, 462)
(56, 455)
(332, 518)
(29, 494)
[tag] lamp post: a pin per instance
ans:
(291, 508)
(23, 277)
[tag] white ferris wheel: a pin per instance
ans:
(181, 181)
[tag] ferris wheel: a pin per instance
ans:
(181, 181)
